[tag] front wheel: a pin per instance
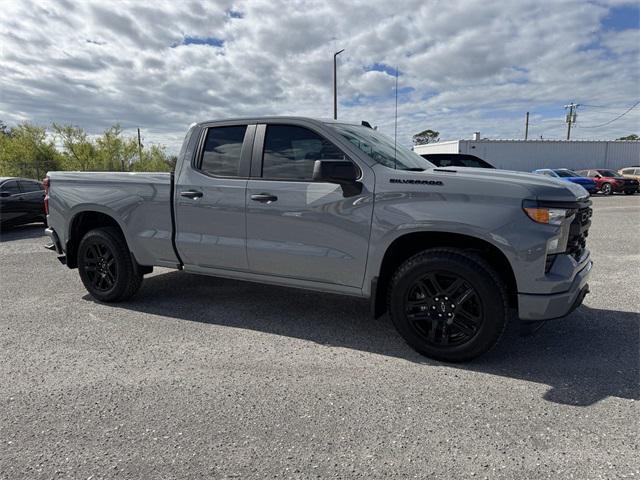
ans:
(106, 267)
(448, 304)
(607, 189)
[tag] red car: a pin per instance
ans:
(610, 181)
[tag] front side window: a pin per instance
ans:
(222, 149)
(10, 187)
(290, 152)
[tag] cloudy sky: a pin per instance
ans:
(464, 65)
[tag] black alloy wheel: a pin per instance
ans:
(106, 266)
(448, 304)
(100, 266)
(444, 309)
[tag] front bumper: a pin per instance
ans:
(546, 307)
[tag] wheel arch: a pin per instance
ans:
(81, 223)
(407, 245)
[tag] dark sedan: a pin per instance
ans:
(21, 201)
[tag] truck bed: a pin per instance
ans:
(139, 202)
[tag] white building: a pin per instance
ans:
(527, 155)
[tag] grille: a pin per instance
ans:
(578, 232)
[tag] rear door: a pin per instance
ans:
(210, 199)
(298, 228)
(33, 196)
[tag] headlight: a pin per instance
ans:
(549, 216)
(552, 215)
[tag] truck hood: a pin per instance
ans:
(543, 188)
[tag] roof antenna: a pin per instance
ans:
(395, 134)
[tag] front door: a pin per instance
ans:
(12, 203)
(210, 200)
(298, 228)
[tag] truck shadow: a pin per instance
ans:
(590, 355)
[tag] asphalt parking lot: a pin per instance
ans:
(208, 378)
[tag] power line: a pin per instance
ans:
(619, 116)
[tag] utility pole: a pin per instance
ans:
(526, 127)
(571, 117)
(335, 85)
(139, 146)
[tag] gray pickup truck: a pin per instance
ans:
(336, 207)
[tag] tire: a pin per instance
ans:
(629, 192)
(606, 189)
(106, 267)
(448, 304)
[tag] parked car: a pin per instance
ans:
(610, 181)
(21, 201)
(456, 160)
(335, 207)
(630, 172)
(567, 175)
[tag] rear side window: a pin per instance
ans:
(10, 187)
(290, 152)
(30, 187)
(222, 149)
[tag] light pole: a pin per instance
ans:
(335, 86)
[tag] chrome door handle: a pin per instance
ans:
(192, 194)
(264, 198)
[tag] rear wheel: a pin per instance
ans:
(606, 189)
(106, 267)
(448, 304)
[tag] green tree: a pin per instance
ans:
(633, 136)
(115, 152)
(426, 136)
(154, 159)
(79, 151)
(27, 151)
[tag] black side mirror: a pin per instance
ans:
(5, 194)
(342, 172)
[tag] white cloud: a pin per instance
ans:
(465, 65)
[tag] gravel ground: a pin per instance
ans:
(208, 378)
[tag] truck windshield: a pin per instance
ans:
(381, 148)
